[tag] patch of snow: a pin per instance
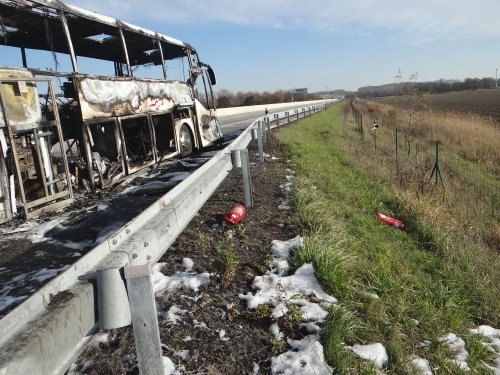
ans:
(290, 177)
(101, 338)
(421, 366)
(222, 335)
(281, 249)
(256, 368)
(287, 188)
(198, 324)
(285, 206)
(274, 289)
(457, 345)
(179, 280)
(279, 266)
(175, 314)
(187, 264)
(183, 354)
(373, 353)
(490, 338)
(275, 331)
(486, 331)
(305, 357)
(168, 366)
(187, 338)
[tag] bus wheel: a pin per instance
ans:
(185, 141)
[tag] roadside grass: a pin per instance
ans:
(400, 288)
(227, 260)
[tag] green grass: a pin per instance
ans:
(416, 275)
(227, 260)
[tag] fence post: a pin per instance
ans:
(397, 161)
(144, 319)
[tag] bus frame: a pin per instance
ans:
(96, 129)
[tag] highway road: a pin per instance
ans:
(243, 120)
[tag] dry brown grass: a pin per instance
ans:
(468, 203)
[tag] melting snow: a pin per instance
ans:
(281, 249)
(222, 335)
(421, 365)
(187, 263)
(491, 340)
(306, 357)
(275, 330)
(374, 353)
(178, 280)
(458, 346)
(175, 314)
(285, 206)
(280, 289)
(274, 289)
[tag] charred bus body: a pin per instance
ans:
(64, 130)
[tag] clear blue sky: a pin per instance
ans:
(324, 44)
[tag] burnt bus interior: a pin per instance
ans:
(51, 142)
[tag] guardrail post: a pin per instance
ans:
(247, 179)
(144, 319)
(240, 159)
(288, 115)
(260, 142)
(277, 117)
(268, 122)
(297, 112)
(264, 132)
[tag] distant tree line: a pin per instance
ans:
(434, 87)
(226, 98)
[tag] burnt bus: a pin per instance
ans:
(65, 130)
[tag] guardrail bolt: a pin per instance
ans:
(146, 244)
(115, 242)
(134, 256)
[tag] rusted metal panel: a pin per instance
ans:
(106, 97)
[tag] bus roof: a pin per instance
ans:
(35, 24)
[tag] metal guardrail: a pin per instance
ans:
(48, 331)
